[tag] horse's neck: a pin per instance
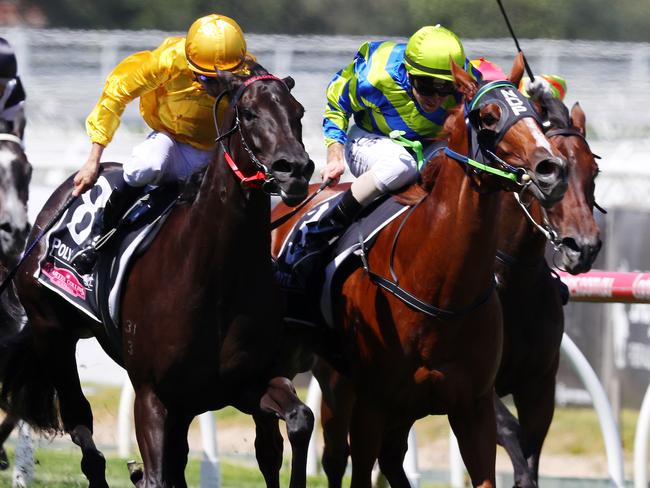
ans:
(232, 223)
(461, 235)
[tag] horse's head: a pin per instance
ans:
(572, 220)
(15, 175)
(268, 119)
(506, 131)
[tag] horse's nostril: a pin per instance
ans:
(308, 169)
(571, 243)
(6, 227)
(549, 168)
(281, 166)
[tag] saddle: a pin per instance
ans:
(340, 260)
(98, 294)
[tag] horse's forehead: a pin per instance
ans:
(274, 92)
(537, 134)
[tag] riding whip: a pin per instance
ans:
(512, 33)
(40, 235)
(281, 220)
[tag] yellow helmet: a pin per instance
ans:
(428, 50)
(214, 42)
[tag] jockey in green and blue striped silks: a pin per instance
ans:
(392, 86)
(389, 87)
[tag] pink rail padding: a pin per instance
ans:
(608, 286)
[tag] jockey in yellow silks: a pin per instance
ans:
(173, 83)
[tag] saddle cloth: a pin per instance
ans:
(98, 294)
(360, 235)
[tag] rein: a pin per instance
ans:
(262, 179)
(394, 287)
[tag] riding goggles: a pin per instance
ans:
(428, 86)
(207, 80)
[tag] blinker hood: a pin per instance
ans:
(514, 107)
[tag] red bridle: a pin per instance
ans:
(262, 176)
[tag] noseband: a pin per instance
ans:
(262, 179)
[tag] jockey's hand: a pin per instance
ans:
(335, 166)
(539, 89)
(87, 175)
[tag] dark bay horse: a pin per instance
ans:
(200, 320)
(406, 364)
(15, 176)
(532, 307)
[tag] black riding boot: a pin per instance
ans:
(105, 224)
(305, 257)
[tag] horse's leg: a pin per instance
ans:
(366, 432)
(77, 417)
(508, 436)
(268, 447)
(336, 410)
(150, 416)
(391, 457)
(535, 404)
(7, 426)
(281, 398)
(475, 428)
(176, 448)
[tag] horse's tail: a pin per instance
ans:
(27, 391)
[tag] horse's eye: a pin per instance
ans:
(489, 120)
(247, 114)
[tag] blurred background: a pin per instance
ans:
(65, 49)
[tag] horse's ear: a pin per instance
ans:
(465, 84)
(517, 70)
(290, 82)
(578, 119)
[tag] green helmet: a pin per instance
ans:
(428, 51)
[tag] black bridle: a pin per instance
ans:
(262, 178)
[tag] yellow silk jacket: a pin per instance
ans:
(171, 100)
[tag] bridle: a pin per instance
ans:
(262, 178)
(545, 226)
(482, 141)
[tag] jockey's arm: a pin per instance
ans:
(335, 165)
(87, 175)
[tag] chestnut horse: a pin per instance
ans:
(200, 321)
(406, 363)
(15, 175)
(531, 302)
(532, 307)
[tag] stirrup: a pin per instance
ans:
(84, 260)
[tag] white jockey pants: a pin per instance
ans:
(161, 159)
(391, 165)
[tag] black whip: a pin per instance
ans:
(512, 33)
(40, 235)
(281, 220)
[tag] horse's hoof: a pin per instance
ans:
(136, 471)
(4, 461)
